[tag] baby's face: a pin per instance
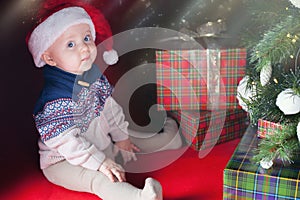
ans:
(74, 51)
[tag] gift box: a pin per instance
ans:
(199, 79)
(245, 180)
(204, 129)
(266, 127)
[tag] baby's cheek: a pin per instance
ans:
(94, 51)
(75, 60)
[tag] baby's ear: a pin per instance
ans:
(48, 59)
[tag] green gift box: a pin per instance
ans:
(244, 179)
(205, 128)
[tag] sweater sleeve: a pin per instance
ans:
(116, 120)
(58, 131)
(76, 149)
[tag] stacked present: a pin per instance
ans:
(245, 180)
(205, 128)
(190, 79)
(266, 127)
(199, 88)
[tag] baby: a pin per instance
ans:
(81, 127)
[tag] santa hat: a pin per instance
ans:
(57, 16)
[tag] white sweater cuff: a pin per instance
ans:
(95, 160)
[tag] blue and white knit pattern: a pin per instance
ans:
(56, 117)
(64, 113)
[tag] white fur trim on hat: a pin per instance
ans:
(45, 34)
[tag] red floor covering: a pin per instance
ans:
(188, 178)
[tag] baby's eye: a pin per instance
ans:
(87, 38)
(71, 44)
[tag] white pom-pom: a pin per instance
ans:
(110, 57)
(265, 74)
(296, 3)
(298, 131)
(266, 164)
(243, 92)
(288, 102)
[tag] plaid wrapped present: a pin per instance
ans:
(245, 180)
(199, 79)
(266, 127)
(204, 129)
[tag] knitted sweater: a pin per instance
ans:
(76, 123)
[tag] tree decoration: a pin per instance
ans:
(296, 3)
(245, 93)
(280, 49)
(282, 145)
(288, 102)
(277, 90)
(266, 73)
(266, 164)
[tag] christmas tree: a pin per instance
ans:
(271, 88)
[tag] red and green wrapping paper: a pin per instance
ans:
(199, 79)
(266, 127)
(204, 129)
(246, 180)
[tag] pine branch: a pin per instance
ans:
(278, 144)
(263, 15)
(278, 44)
(292, 80)
(263, 104)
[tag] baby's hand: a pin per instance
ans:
(112, 170)
(127, 149)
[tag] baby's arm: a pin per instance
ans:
(78, 151)
(118, 129)
(127, 145)
(127, 149)
(112, 170)
(115, 117)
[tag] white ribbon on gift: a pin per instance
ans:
(213, 77)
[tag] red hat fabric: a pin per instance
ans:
(56, 16)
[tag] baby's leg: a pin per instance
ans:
(84, 180)
(152, 142)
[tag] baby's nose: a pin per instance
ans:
(84, 47)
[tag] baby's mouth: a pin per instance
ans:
(85, 58)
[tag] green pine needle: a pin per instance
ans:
(278, 144)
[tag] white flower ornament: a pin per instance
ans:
(243, 92)
(288, 102)
(266, 164)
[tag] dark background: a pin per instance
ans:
(21, 81)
